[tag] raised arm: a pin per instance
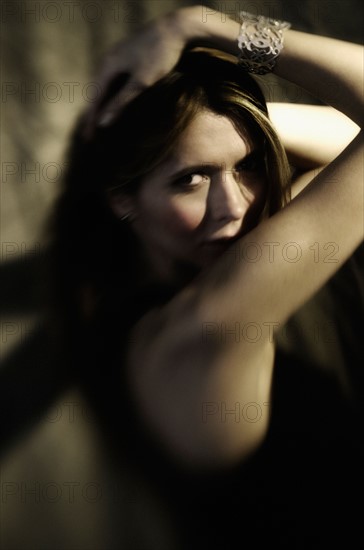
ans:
(261, 280)
(312, 135)
(333, 71)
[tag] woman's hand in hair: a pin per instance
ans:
(134, 64)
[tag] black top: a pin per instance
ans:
(297, 490)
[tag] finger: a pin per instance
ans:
(136, 85)
(110, 89)
(114, 107)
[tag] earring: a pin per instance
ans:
(124, 217)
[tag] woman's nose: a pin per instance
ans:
(228, 201)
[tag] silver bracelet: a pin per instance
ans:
(260, 42)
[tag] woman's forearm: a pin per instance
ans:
(312, 135)
(329, 69)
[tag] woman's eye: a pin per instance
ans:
(192, 180)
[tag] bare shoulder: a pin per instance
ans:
(187, 385)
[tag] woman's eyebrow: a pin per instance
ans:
(212, 167)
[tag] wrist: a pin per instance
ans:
(187, 22)
(203, 26)
(261, 40)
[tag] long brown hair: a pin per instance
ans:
(90, 247)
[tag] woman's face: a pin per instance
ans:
(212, 187)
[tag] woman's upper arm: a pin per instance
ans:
(269, 273)
(205, 401)
(312, 135)
(179, 374)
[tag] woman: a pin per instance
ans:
(185, 249)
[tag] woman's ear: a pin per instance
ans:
(122, 205)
